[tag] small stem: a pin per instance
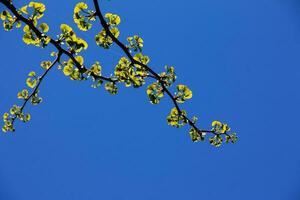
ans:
(40, 79)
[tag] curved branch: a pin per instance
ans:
(153, 73)
(82, 69)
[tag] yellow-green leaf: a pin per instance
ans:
(31, 82)
(44, 27)
(68, 70)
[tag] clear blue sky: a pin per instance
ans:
(241, 59)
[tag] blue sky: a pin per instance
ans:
(240, 58)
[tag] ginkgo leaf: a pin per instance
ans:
(23, 94)
(183, 93)
(31, 82)
(44, 27)
(113, 19)
(68, 70)
(24, 9)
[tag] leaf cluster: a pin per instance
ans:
(131, 70)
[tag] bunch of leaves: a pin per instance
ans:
(102, 38)
(132, 70)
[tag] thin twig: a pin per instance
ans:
(40, 79)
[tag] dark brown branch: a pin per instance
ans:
(154, 74)
(55, 43)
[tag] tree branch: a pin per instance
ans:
(153, 73)
(40, 79)
(55, 43)
(82, 69)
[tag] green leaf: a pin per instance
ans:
(24, 9)
(44, 27)
(220, 127)
(216, 140)
(39, 9)
(155, 92)
(31, 74)
(183, 93)
(136, 43)
(23, 94)
(177, 119)
(111, 88)
(27, 117)
(31, 82)
(68, 70)
(46, 64)
(83, 21)
(103, 40)
(113, 19)
(96, 69)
